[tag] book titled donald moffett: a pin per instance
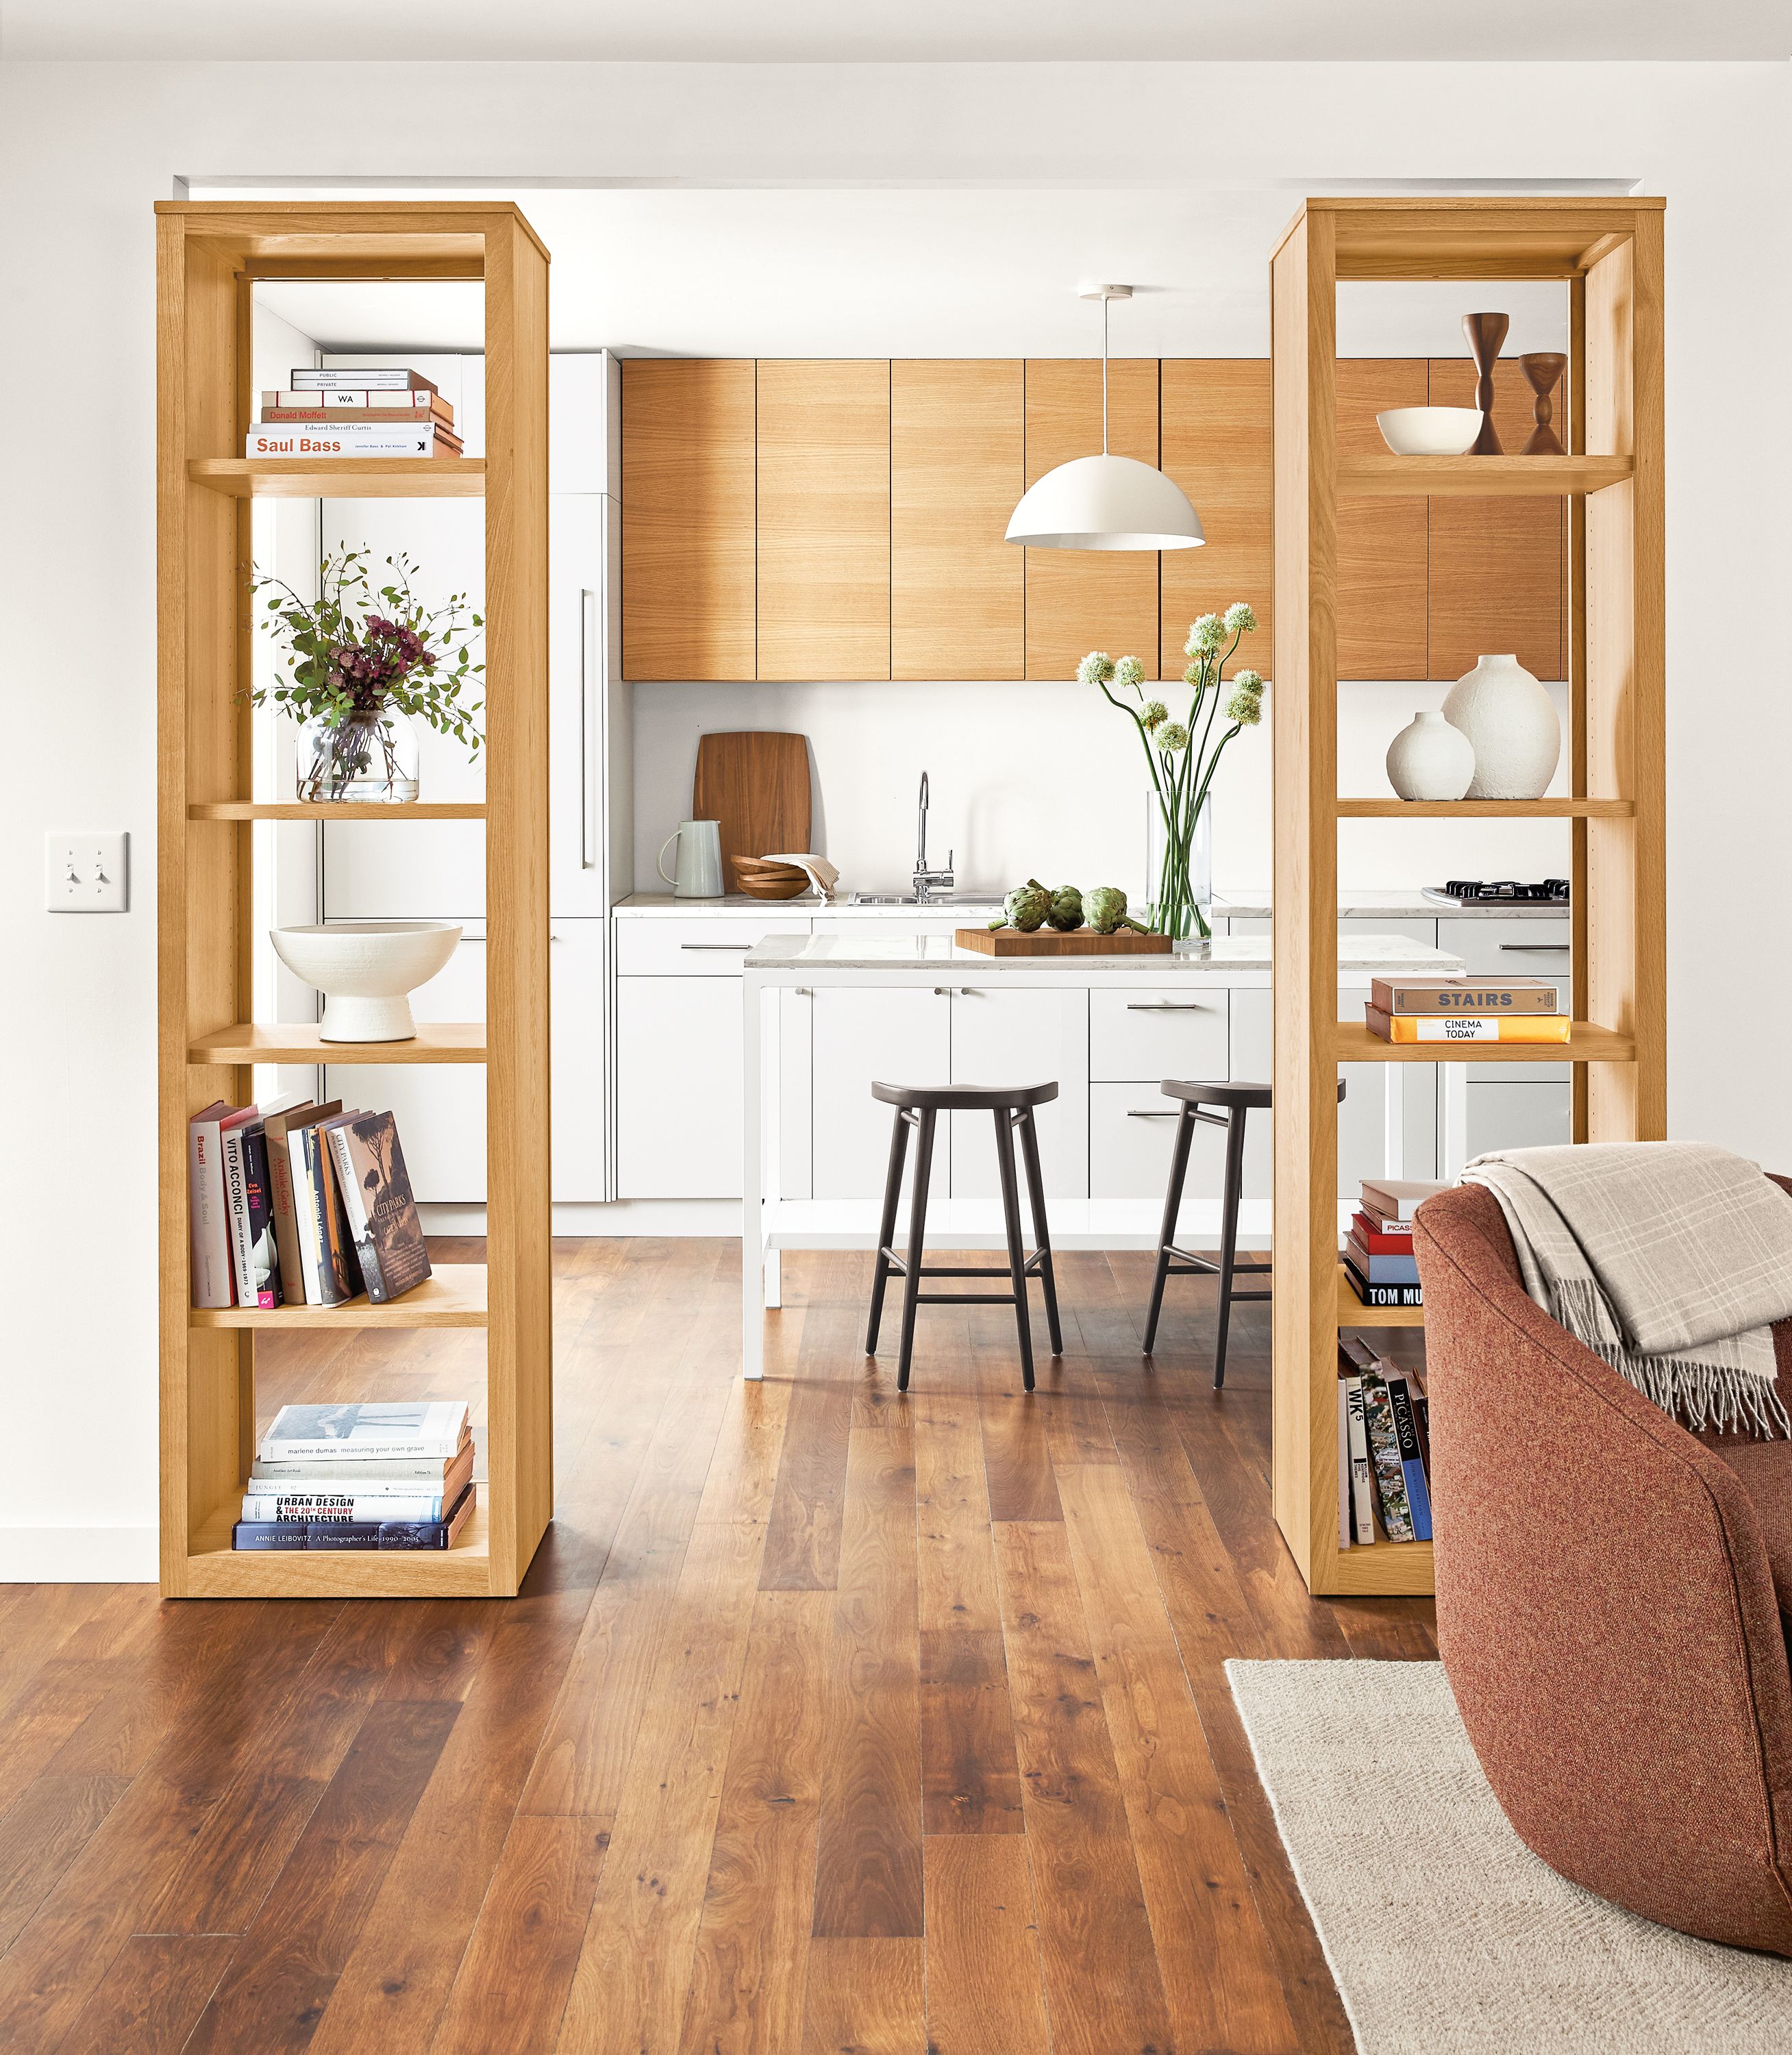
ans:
(382, 1215)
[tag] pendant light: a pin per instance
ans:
(1105, 502)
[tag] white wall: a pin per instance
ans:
(88, 148)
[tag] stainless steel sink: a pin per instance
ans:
(921, 906)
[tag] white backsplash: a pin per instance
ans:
(1046, 778)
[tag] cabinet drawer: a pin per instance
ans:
(1146, 1033)
(696, 945)
(1523, 946)
(1131, 1128)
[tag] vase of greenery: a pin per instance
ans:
(1183, 755)
(360, 675)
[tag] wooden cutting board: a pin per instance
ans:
(756, 785)
(1048, 942)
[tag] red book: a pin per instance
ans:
(1395, 1239)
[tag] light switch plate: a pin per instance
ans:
(86, 873)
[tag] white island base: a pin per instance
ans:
(1137, 994)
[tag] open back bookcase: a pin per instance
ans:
(209, 257)
(1610, 254)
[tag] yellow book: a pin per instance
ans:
(1466, 1028)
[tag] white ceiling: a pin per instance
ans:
(798, 31)
(916, 273)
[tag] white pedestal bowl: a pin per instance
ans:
(365, 969)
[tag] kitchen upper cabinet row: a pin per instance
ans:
(843, 519)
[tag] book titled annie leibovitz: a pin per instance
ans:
(376, 1190)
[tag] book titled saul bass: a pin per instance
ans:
(382, 1215)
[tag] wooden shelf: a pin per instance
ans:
(331, 809)
(1487, 810)
(454, 1296)
(1353, 1313)
(434, 1042)
(340, 477)
(215, 1570)
(1391, 1569)
(1587, 1043)
(1477, 477)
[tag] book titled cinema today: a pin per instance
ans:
(1467, 1027)
(403, 1431)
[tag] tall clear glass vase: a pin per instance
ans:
(1179, 877)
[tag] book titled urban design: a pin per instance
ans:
(376, 1190)
(317, 1536)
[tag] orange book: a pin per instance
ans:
(1466, 1028)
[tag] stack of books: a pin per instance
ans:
(1377, 1254)
(1461, 1009)
(373, 1474)
(293, 1204)
(1384, 1449)
(369, 411)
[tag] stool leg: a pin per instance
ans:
(1042, 1234)
(1016, 1261)
(886, 1228)
(1229, 1232)
(917, 1236)
(1166, 1233)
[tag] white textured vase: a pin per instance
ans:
(1430, 759)
(1511, 724)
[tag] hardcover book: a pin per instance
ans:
(351, 438)
(375, 1506)
(338, 1271)
(1401, 1269)
(367, 377)
(1388, 1238)
(303, 1201)
(321, 402)
(405, 1429)
(412, 416)
(276, 1128)
(1385, 1454)
(382, 1215)
(1382, 1295)
(207, 1213)
(1389, 1199)
(1465, 995)
(1355, 1358)
(1412, 1467)
(359, 1476)
(1466, 1028)
(294, 1535)
(254, 1256)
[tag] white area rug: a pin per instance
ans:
(1446, 1936)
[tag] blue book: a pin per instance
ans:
(320, 1536)
(1382, 1269)
(1412, 1463)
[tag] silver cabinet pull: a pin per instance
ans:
(947, 991)
(1167, 1006)
(1536, 949)
(743, 947)
(1168, 1113)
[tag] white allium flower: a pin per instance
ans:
(1096, 668)
(1129, 672)
(1171, 737)
(1154, 713)
(1239, 618)
(1205, 635)
(1245, 706)
(1192, 676)
(1248, 681)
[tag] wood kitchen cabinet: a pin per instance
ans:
(1216, 436)
(957, 465)
(689, 463)
(1080, 600)
(1383, 545)
(823, 520)
(1499, 566)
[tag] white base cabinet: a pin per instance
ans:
(678, 1087)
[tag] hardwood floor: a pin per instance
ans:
(828, 1720)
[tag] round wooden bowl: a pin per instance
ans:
(756, 885)
(765, 866)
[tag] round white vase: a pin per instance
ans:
(1430, 759)
(1511, 725)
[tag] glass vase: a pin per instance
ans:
(370, 758)
(1179, 874)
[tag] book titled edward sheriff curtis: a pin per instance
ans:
(404, 1430)
(1462, 995)
(1467, 1028)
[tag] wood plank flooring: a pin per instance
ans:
(828, 1720)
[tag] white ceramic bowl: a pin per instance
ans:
(364, 969)
(1429, 431)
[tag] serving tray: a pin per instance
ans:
(1048, 942)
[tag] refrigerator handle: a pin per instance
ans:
(587, 729)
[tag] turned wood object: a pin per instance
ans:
(1485, 332)
(1544, 368)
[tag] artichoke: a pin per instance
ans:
(1106, 906)
(1025, 907)
(1066, 914)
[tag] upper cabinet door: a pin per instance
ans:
(957, 600)
(823, 519)
(687, 462)
(1383, 570)
(1080, 600)
(1217, 419)
(1499, 566)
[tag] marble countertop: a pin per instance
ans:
(1391, 904)
(972, 909)
(1359, 955)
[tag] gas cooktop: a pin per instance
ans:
(1503, 891)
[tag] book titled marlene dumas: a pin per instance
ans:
(402, 1429)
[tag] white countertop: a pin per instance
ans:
(1360, 955)
(1390, 904)
(1393, 903)
(971, 911)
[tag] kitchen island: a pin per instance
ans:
(925, 1011)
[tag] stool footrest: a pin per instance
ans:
(1209, 1265)
(964, 1299)
(899, 1265)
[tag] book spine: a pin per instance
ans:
(264, 1260)
(364, 378)
(305, 1214)
(1362, 1503)
(361, 417)
(213, 1276)
(1504, 1000)
(1344, 1521)
(1395, 1239)
(320, 1506)
(1384, 1453)
(1466, 1027)
(323, 1203)
(1382, 1295)
(382, 1451)
(354, 439)
(357, 1479)
(1412, 1468)
(285, 1220)
(236, 1209)
(357, 1212)
(1422, 1420)
(1382, 1269)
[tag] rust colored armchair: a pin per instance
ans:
(1611, 1596)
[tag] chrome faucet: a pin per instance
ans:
(925, 880)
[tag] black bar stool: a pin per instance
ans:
(919, 1107)
(1236, 1100)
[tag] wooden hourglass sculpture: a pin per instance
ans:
(1485, 332)
(1544, 368)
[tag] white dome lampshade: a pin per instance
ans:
(1105, 502)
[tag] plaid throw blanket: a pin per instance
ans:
(1670, 1260)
